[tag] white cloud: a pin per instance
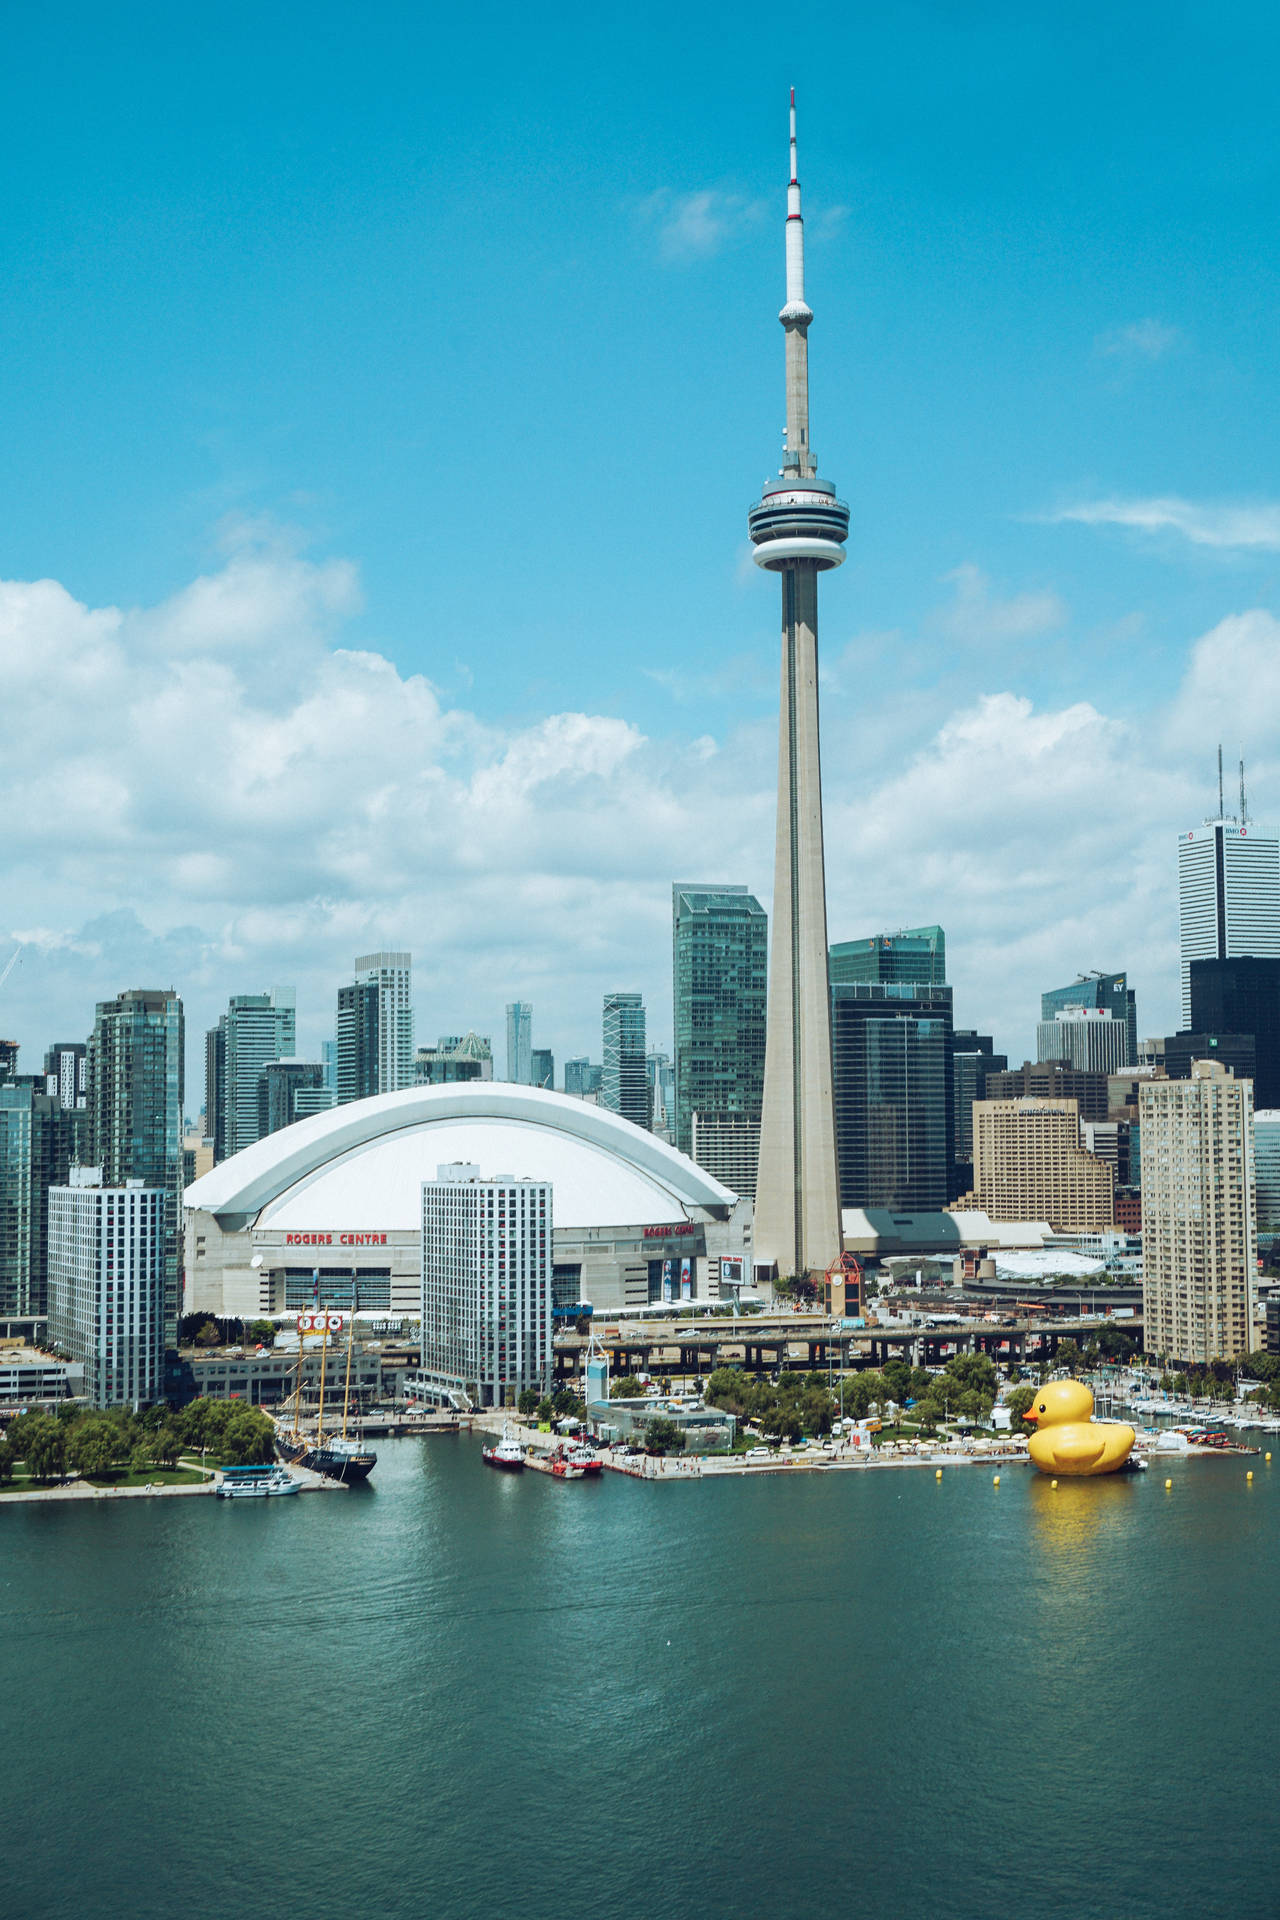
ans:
(1243, 527)
(1142, 340)
(181, 818)
(979, 617)
(692, 226)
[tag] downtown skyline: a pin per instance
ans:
(1044, 388)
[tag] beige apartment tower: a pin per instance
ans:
(1198, 1222)
(1028, 1164)
(798, 530)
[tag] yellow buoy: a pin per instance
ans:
(1268, 1456)
(995, 1480)
(1168, 1484)
(1053, 1483)
(937, 1473)
(1249, 1475)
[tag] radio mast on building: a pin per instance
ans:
(798, 530)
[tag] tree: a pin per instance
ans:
(6, 1459)
(94, 1447)
(545, 1409)
(1070, 1356)
(140, 1459)
(249, 1439)
(44, 1447)
(208, 1335)
(262, 1332)
(567, 1405)
(663, 1436)
(165, 1446)
(731, 1389)
(627, 1388)
(528, 1402)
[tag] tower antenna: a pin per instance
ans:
(1221, 802)
(1244, 811)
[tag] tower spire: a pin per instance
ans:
(798, 530)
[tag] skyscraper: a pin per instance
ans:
(1228, 891)
(1242, 996)
(895, 1124)
(107, 1264)
(392, 976)
(356, 1046)
(1085, 1037)
(542, 1067)
(66, 1073)
(624, 1085)
(798, 530)
(487, 1264)
(914, 956)
(135, 1109)
(520, 1042)
(719, 981)
(1028, 1164)
(259, 1027)
(40, 1141)
(973, 1057)
(1198, 1258)
(1109, 993)
(290, 1090)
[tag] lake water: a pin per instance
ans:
(458, 1693)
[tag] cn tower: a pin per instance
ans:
(798, 530)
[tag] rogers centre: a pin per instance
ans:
(336, 1200)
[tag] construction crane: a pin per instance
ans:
(11, 964)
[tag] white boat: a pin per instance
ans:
(256, 1483)
(508, 1453)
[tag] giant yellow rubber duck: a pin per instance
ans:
(1067, 1439)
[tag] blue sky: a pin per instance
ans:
(384, 394)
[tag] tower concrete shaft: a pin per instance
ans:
(798, 529)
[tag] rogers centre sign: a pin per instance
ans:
(666, 1233)
(335, 1239)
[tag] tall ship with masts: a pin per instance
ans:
(339, 1456)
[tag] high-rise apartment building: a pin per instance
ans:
(215, 1089)
(1242, 996)
(107, 1286)
(662, 1094)
(136, 1065)
(1102, 993)
(356, 1047)
(720, 975)
(40, 1141)
(260, 1027)
(290, 1090)
(1087, 1038)
(8, 1059)
(66, 1073)
(624, 1083)
(520, 1042)
(1198, 1234)
(895, 1122)
(1228, 893)
(487, 1261)
(911, 957)
(798, 531)
(391, 975)
(1028, 1164)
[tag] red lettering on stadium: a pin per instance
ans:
(343, 1239)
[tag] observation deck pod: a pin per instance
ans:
(798, 520)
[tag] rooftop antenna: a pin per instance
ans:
(1244, 811)
(1221, 804)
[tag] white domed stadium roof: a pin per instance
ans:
(361, 1165)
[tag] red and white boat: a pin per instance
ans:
(507, 1454)
(584, 1458)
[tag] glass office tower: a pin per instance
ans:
(895, 1122)
(1100, 993)
(624, 1086)
(719, 982)
(914, 956)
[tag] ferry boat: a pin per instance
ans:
(255, 1483)
(584, 1458)
(507, 1454)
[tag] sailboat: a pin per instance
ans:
(340, 1457)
